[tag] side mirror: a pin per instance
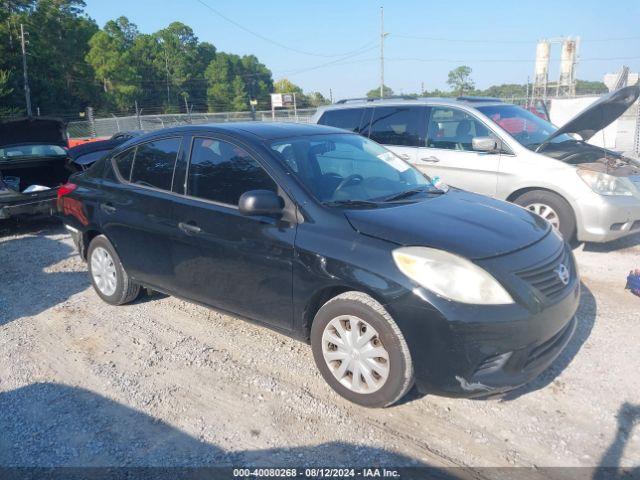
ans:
(486, 144)
(261, 202)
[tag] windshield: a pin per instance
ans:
(16, 151)
(346, 168)
(528, 129)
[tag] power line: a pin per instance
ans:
(494, 41)
(270, 40)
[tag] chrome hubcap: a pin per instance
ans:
(546, 212)
(103, 271)
(354, 354)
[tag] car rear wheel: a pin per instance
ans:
(108, 277)
(360, 351)
(553, 208)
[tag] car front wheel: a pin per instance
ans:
(360, 351)
(553, 208)
(108, 277)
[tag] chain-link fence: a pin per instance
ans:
(105, 127)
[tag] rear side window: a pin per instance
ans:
(347, 118)
(222, 172)
(123, 163)
(396, 126)
(153, 163)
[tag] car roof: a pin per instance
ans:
(261, 130)
(460, 101)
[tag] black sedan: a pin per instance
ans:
(328, 237)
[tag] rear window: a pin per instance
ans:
(153, 163)
(396, 126)
(346, 118)
(32, 151)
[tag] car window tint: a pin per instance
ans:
(395, 126)
(222, 172)
(453, 129)
(154, 162)
(346, 118)
(123, 163)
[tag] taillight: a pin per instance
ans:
(66, 189)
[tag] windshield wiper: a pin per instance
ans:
(351, 203)
(409, 193)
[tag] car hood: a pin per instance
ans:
(41, 130)
(467, 224)
(598, 115)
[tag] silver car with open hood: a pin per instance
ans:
(484, 145)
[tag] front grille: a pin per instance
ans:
(544, 277)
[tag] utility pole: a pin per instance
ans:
(382, 35)
(331, 95)
(166, 66)
(27, 90)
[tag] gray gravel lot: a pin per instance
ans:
(167, 383)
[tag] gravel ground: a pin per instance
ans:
(166, 383)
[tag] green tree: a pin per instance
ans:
(111, 58)
(375, 92)
(586, 87)
(5, 92)
(59, 33)
(459, 79)
(316, 99)
(285, 86)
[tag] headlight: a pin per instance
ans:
(604, 184)
(450, 276)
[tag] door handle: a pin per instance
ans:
(405, 156)
(107, 208)
(189, 228)
(430, 159)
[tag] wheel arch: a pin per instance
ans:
(322, 296)
(87, 236)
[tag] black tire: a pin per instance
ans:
(362, 306)
(125, 291)
(566, 217)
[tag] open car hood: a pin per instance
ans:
(598, 115)
(34, 130)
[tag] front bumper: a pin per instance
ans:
(473, 350)
(605, 218)
(45, 206)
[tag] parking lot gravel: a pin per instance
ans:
(163, 382)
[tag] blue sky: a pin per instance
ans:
(497, 39)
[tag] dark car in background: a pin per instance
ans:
(33, 164)
(328, 237)
(86, 154)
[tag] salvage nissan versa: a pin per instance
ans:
(328, 237)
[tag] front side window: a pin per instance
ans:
(398, 125)
(529, 129)
(221, 172)
(453, 129)
(339, 168)
(153, 163)
(346, 118)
